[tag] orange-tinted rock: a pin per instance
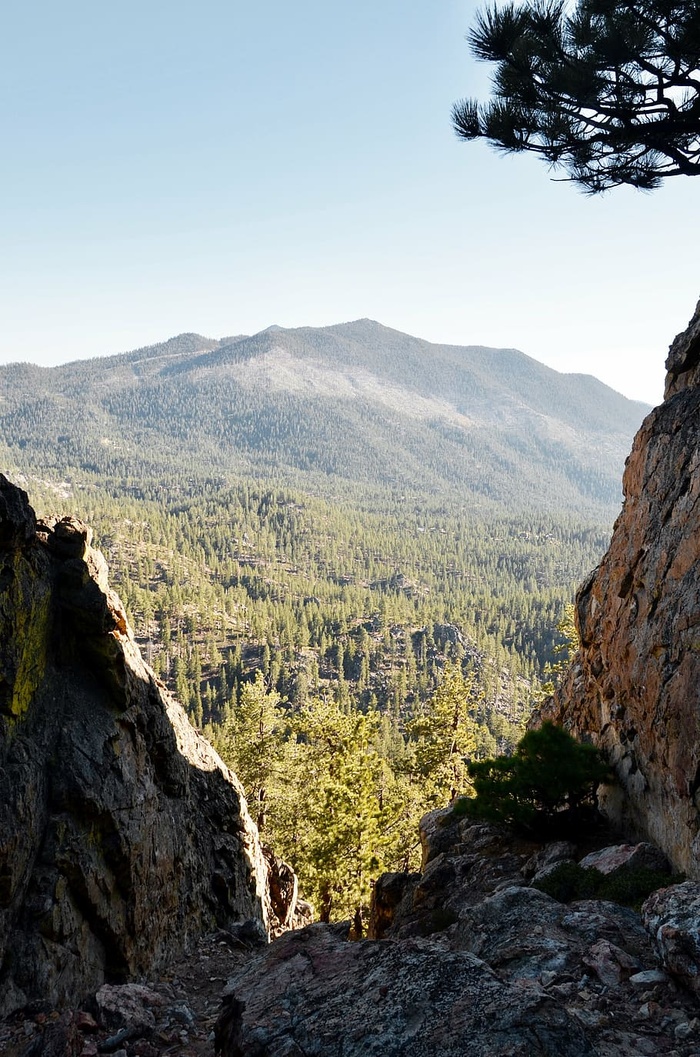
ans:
(635, 686)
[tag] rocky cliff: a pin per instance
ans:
(123, 837)
(635, 685)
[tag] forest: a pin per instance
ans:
(346, 551)
(360, 649)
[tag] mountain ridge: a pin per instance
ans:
(194, 342)
(357, 400)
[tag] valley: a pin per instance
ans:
(346, 523)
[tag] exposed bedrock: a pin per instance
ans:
(635, 686)
(123, 837)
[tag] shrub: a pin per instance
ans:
(570, 881)
(547, 784)
(630, 888)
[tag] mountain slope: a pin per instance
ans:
(357, 401)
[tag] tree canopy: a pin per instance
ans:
(548, 780)
(607, 90)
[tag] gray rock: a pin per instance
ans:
(247, 935)
(181, 1013)
(553, 854)
(123, 837)
(685, 1029)
(610, 963)
(126, 1008)
(523, 934)
(313, 993)
(672, 916)
(649, 978)
(626, 857)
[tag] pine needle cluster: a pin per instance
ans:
(608, 90)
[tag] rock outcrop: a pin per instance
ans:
(634, 688)
(672, 916)
(123, 837)
(468, 959)
(324, 997)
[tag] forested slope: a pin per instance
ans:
(358, 403)
(344, 529)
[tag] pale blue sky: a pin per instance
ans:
(220, 166)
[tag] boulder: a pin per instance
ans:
(123, 837)
(126, 1006)
(523, 934)
(626, 858)
(610, 963)
(548, 859)
(672, 916)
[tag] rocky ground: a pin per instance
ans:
(176, 1015)
(467, 959)
(473, 961)
(172, 1015)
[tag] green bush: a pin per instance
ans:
(570, 881)
(547, 785)
(630, 888)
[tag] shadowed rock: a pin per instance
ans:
(123, 837)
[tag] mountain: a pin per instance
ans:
(357, 403)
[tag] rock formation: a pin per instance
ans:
(325, 996)
(635, 686)
(469, 960)
(123, 837)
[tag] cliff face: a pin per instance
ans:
(635, 685)
(123, 837)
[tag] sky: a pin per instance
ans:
(219, 167)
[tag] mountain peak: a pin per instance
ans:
(336, 399)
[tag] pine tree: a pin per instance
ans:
(253, 745)
(442, 737)
(607, 90)
(340, 773)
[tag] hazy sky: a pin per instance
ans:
(222, 166)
